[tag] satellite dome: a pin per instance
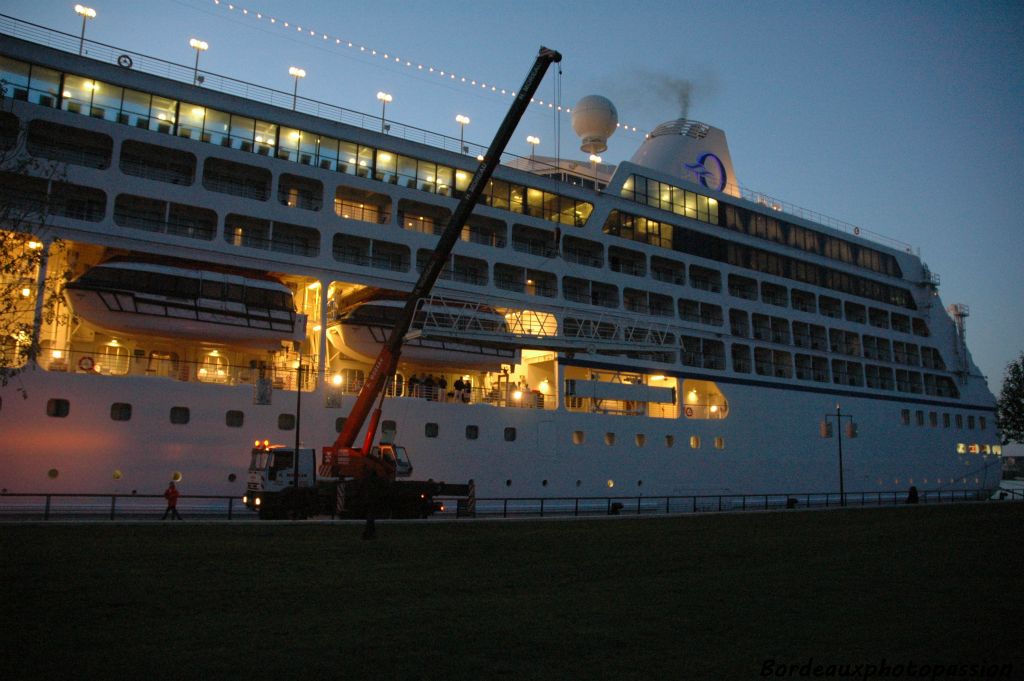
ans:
(594, 119)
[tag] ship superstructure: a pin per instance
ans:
(647, 328)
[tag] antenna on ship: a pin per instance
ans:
(959, 312)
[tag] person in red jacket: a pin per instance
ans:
(171, 495)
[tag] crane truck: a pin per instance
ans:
(353, 481)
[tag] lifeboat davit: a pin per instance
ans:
(135, 297)
(449, 333)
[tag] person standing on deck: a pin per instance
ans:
(171, 494)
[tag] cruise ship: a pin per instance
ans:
(226, 265)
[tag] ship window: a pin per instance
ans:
(510, 435)
(640, 439)
(919, 415)
(970, 421)
(577, 437)
(120, 411)
(609, 439)
(719, 443)
(234, 418)
(180, 415)
(63, 143)
(670, 440)
(933, 419)
(981, 422)
(339, 423)
(430, 429)
(57, 407)
(286, 421)
(960, 421)
(694, 442)
(945, 420)
(472, 432)
(905, 417)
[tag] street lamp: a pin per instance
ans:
(296, 73)
(87, 13)
(533, 141)
(851, 432)
(199, 46)
(384, 99)
(463, 121)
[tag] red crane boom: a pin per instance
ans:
(387, 361)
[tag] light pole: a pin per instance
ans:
(533, 141)
(384, 99)
(594, 160)
(298, 418)
(199, 46)
(296, 73)
(851, 432)
(463, 121)
(87, 13)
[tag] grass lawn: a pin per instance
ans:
(702, 597)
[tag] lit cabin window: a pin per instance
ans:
(719, 443)
(577, 437)
(641, 439)
(704, 400)
(609, 439)
(180, 415)
(694, 442)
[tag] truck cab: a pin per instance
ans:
(396, 457)
(272, 471)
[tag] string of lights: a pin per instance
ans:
(393, 59)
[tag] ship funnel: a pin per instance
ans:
(594, 119)
(691, 150)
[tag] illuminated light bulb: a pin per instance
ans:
(714, 408)
(26, 292)
(56, 354)
(336, 379)
(35, 245)
(517, 395)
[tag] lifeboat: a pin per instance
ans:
(449, 332)
(136, 297)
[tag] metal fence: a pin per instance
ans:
(131, 507)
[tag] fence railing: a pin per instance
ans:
(72, 506)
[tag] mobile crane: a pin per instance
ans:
(348, 478)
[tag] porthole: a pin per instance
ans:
(57, 407)
(286, 421)
(472, 432)
(639, 483)
(234, 418)
(694, 442)
(508, 483)
(430, 429)
(577, 437)
(609, 439)
(176, 476)
(339, 423)
(579, 482)
(118, 475)
(544, 483)
(510, 434)
(179, 415)
(670, 440)
(120, 411)
(719, 443)
(641, 439)
(52, 473)
(610, 483)
(232, 477)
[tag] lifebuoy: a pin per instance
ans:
(689, 411)
(86, 363)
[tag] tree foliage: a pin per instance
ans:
(26, 246)
(1010, 407)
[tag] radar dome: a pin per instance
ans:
(594, 119)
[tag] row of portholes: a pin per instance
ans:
(579, 483)
(176, 476)
(640, 440)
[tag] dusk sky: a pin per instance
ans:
(905, 118)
